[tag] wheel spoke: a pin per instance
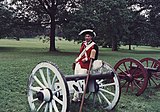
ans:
(54, 106)
(53, 81)
(127, 87)
(136, 84)
(122, 71)
(98, 82)
(149, 81)
(58, 100)
(99, 98)
(50, 107)
(104, 97)
(48, 78)
(154, 81)
(38, 81)
(36, 99)
(94, 95)
(125, 67)
(147, 62)
(153, 63)
(59, 89)
(89, 95)
(105, 85)
(131, 64)
(36, 89)
(124, 84)
(46, 108)
(41, 106)
(122, 76)
(156, 76)
(43, 78)
(132, 87)
(140, 80)
(103, 90)
(135, 70)
(156, 65)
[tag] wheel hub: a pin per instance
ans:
(129, 77)
(96, 87)
(45, 95)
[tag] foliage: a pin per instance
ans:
(116, 22)
(145, 31)
(5, 20)
(48, 13)
(107, 17)
(15, 25)
(154, 19)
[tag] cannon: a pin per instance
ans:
(49, 90)
(135, 75)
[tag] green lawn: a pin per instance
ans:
(17, 58)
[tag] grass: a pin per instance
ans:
(17, 58)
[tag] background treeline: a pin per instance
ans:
(116, 22)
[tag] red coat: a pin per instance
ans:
(86, 56)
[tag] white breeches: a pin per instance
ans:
(80, 84)
(78, 70)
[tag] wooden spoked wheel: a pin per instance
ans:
(107, 93)
(132, 74)
(47, 89)
(153, 68)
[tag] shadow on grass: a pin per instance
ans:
(88, 107)
(6, 49)
(138, 51)
(43, 51)
(74, 53)
(58, 52)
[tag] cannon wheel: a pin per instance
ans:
(47, 89)
(155, 64)
(132, 75)
(108, 90)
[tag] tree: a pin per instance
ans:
(48, 13)
(143, 30)
(119, 21)
(107, 17)
(137, 30)
(13, 26)
(5, 19)
(154, 19)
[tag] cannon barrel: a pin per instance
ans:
(108, 75)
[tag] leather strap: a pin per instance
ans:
(84, 50)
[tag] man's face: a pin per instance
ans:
(88, 38)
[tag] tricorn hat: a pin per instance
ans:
(88, 31)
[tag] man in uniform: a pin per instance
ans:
(83, 60)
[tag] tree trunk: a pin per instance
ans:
(52, 33)
(17, 38)
(129, 46)
(114, 44)
(130, 41)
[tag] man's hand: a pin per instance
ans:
(84, 60)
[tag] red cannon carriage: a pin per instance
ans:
(136, 75)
